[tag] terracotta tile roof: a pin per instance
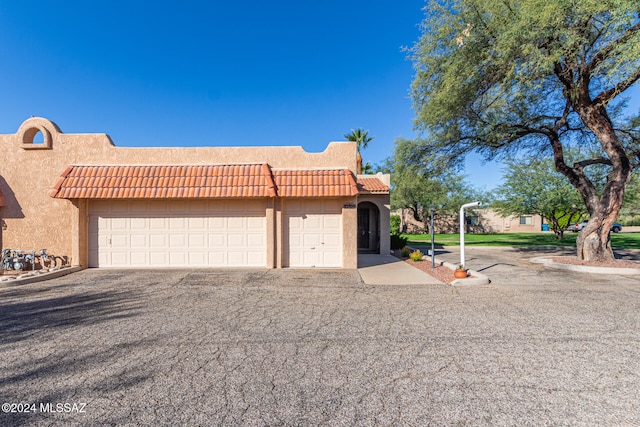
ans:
(315, 183)
(165, 182)
(372, 185)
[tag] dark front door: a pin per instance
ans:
(363, 228)
(368, 228)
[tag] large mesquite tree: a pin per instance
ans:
(532, 187)
(495, 77)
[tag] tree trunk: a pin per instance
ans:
(554, 224)
(593, 243)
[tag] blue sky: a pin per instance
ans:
(215, 73)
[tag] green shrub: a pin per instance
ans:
(404, 252)
(398, 242)
(395, 224)
(416, 255)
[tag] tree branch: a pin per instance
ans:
(562, 121)
(606, 96)
(564, 74)
(575, 175)
(604, 53)
(596, 161)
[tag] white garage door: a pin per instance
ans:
(161, 234)
(313, 233)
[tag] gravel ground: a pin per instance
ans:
(300, 347)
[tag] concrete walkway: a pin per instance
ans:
(389, 270)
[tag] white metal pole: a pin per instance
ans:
(462, 208)
(461, 236)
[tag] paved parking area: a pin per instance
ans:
(300, 347)
(510, 267)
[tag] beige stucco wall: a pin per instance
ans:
(34, 220)
(383, 203)
(492, 222)
(489, 221)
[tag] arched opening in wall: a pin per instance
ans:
(368, 228)
(38, 138)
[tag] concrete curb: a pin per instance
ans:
(547, 262)
(28, 278)
(474, 279)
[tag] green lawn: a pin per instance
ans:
(620, 240)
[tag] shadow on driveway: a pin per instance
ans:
(21, 320)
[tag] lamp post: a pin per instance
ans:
(468, 205)
(433, 261)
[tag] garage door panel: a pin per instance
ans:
(119, 224)
(311, 240)
(139, 223)
(119, 241)
(331, 222)
(312, 222)
(177, 224)
(197, 241)
(139, 241)
(139, 259)
(197, 223)
(313, 236)
(256, 239)
(236, 258)
(158, 223)
(197, 258)
(255, 223)
(177, 241)
(158, 259)
(217, 258)
(332, 259)
(177, 234)
(236, 223)
(158, 241)
(236, 240)
(217, 240)
(216, 223)
(332, 238)
(120, 258)
(177, 259)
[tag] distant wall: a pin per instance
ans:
(478, 221)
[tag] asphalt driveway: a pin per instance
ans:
(300, 347)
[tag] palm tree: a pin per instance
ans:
(367, 168)
(361, 138)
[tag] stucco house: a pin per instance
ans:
(98, 205)
(478, 220)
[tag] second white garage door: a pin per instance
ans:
(211, 233)
(313, 233)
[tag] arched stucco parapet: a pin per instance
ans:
(30, 128)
